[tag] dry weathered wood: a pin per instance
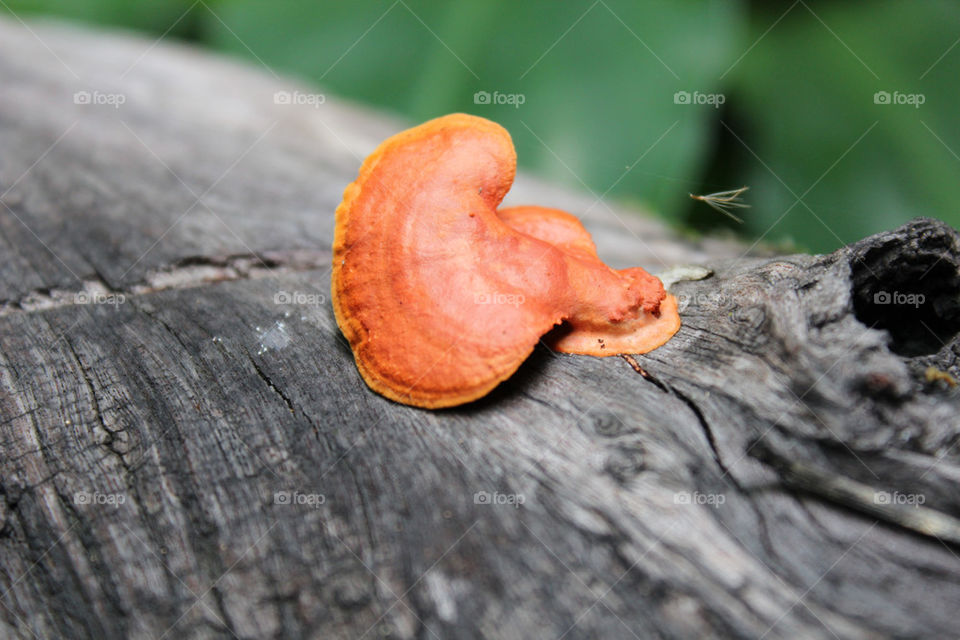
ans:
(200, 458)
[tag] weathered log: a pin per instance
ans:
(188, 450)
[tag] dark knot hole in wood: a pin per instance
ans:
(910, 289)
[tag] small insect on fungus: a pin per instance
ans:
(724, 201)
(442, 296)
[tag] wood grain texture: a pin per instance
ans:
(189, 452)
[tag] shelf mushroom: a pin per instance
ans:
(441, 297)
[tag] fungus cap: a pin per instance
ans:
(440, 298)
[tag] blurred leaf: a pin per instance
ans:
(596, 80)
(148, 15)
(804, 96)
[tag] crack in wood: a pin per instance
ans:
(187, 273)
(667, 388)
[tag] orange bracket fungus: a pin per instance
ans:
(441, 296)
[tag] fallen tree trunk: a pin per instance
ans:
(188, 450)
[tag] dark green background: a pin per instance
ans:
(599, 78)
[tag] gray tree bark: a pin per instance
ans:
(188, 450)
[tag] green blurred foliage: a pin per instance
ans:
(598, 80)
(805, 104)
(153, 16)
